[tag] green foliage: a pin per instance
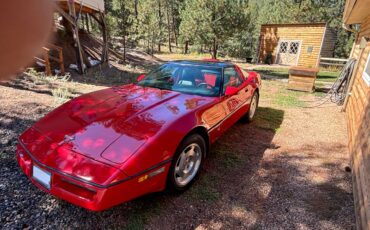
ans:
(122, 16)
(230, 27)
(211, 22)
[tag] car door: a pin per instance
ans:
(235, 105)
(228, 108)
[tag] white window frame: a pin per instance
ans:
(365, 75)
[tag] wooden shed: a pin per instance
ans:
(296, 44)
(357, 106)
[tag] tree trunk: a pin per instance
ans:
(87, 22)
(173, 23)
(136, 11)
(186, 47)
(152, 44)
(148, 46)
(124, 48)
(169, 30)
(159, 24)
(214, 49)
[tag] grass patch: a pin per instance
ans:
(277, 94)
(227, 157)
(327, 76)
(61, 87)
(205, 189)
(320, 94)
(141, 213)
(283, 73)
(289, 99)
(276, 72)
(268, 118)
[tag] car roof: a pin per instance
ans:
(206, 63)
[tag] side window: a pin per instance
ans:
(231, 78)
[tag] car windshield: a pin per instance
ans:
(190, 79)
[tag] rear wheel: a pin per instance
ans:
(186, 163)
(249, 116)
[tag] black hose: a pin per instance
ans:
(338, 91)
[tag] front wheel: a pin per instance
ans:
(186, 163)
(249, 116)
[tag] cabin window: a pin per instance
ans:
(283, 47)
(366, 73)
(293, 49)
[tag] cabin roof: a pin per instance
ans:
(323, 24)
(88, 5)
(356, 11)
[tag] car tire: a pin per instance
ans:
(187, 163)
(249, 116)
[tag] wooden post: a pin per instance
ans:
(47, 61)
(61, 63)
(79, 54)
(104, 57)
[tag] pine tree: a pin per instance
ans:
(210, 22)
(122, 15)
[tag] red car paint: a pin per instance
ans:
(113, 145)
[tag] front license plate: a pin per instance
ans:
(42, 176)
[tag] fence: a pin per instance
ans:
(332, 64)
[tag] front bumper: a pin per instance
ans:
(92, 197)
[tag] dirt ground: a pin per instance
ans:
(285, 170)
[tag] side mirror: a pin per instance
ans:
(231, 90)
(252, 77)
(140, 77)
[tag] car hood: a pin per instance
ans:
(127, 115)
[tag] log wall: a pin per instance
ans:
(358, 123)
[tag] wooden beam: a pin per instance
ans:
(47, 62)
(101, 22)
(87, 20)
(79, 53)
(65, 15)
(104, 57)
(97, 19)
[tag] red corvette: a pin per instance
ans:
(111, 146)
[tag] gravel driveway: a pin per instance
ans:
(284, 171)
